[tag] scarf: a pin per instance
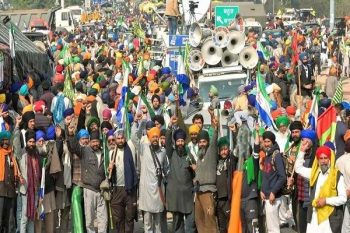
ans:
(33, 182)
(328, 189)
(3, 154)
(248, 166)
(130, 176)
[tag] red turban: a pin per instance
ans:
(323, 150)
(39, 106)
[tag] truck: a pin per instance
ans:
(54, 19)
(76, 12)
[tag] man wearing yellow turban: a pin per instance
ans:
(193, 131)
(327, 190)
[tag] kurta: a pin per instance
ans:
(338, 200)
(150, 199)
(180, 185)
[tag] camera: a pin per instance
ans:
(193, 6)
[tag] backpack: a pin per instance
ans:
(59, 109)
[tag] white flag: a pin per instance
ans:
(11, 41)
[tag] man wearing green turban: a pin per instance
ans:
(224, 170)
(213, 95)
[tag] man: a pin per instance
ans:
(193, 131)
(42, 122)
(198, 120)
(153, 167)
(331, 82)
(327, 190)
(306, 73)
(273, 180)
(9, 173)
(92, 176)
(213, 96)
(343, 165)
(123, 178)
(29, 165)
(158, 110)
(172, 12)
(224, 171)
(179, 187)
(205, 181)
(59, 104)
(27, 122)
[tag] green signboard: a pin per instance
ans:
(224, 15)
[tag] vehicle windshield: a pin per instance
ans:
(76, 12)
(227, 88)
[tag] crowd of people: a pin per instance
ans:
(103, 141)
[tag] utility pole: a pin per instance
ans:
(273, 8)
(331, 14)
(62, 4)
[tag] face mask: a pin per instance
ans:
(324, 168)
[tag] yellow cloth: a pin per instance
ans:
(27, 108)
(194, 129)
(2, 98)
(328, 189)
(241, 103)
(155, 131)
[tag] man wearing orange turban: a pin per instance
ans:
(327, 190)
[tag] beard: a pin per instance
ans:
(42, 150)
(155, 146)
(201, 152)
(324, 168)
(111, 147)
(31, 150)
(296, 139)
(181, 151)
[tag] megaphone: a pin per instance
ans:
(195, 35)
(248, 57)
(236, 42)
(229, 59)
(196, 61)
(211, 53)
(221, 37)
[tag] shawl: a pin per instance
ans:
(328, 189)
(33, 182)
(3, 154)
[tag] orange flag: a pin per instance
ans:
(235, 225)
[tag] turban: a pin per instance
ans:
(4, 107)
(5, 135)
(39, 106)
(119, 132)
(106, 124)
(149, 125)
(50, 133)
(296, 125)
(15, 87)
(213, 90)
(194, 129)
(269, 135)
(96, 86)
(282, 120)
(155, 97)
(302, 56)
(106, 114)
(165, 70)
(330, 145)
(93, 91)
(159, 119)
(291, 110)
(90, 98)
(252, 100)
(39, 135)
(27, 108)
(110, 133)
(163, 132)
(83, 133)
(155, 131)
(323, 150)
(347, 135)
(95, 135)
(68, 112)
(2, 98)
(28, 116)
(24, 91)
(309, 134)
(93, 120)
(179, 134)
(30, 134)
(59, 68)
(223, 141)
(203, 135)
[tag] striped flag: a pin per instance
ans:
(121, 104)
(263, 102)
(326, 125)
(263, 52)
(313, 114)
(12, 41)
(338, 95)
(68, 90)
(295, 56)
(42, 193)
